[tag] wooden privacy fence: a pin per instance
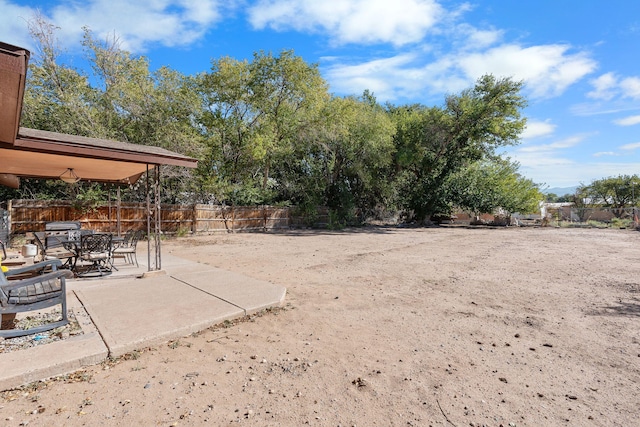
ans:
(32, 215)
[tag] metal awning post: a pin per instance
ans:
(154, 228)
(149, 213)
(118, 213)
(158, 218)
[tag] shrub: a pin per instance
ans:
(622, 223)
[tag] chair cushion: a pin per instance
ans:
(124, 250)
(95, 256)
(37, 292)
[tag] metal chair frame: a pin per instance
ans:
(32, 288)
(127, 249)
(95, 249)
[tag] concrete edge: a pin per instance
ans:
(120, 350)
(279, 303)
(54, 359)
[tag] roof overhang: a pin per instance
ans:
(14, 61)
(42, 154)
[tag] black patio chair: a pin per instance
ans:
(94, 255)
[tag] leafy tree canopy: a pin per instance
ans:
(267, 130)
(486, 185)
(434, 143)
(614, 192)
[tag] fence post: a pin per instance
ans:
(233, 219)
(194, 219)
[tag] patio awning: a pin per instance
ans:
(42, 154)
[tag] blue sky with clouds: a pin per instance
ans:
(578, 59)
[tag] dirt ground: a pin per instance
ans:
(443, 326)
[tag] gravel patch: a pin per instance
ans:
(27, 341)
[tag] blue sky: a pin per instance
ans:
(578, 59)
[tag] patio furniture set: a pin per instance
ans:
(85, 252)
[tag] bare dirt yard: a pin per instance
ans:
(443, 326)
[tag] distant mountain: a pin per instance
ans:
(561, 191)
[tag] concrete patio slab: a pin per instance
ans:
(146, 312)
(250, 294)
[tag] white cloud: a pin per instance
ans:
(539, 159)
(632, 146)
(536, 129)
(547, 69)
(557, 165)
(137, 24)
(13, 24)
(558, 145)
(604, 87)
(546, 167)
(631, 87)
(608, 86)
(350, 21)
(602, 108)
(387, 78)
(628, 121)
(478, 39)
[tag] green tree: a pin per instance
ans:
(350, 153)
(229, 123)
(612, 192)
(268, 131)
(487, 185)
(551, 198)
(582, 202)
(125, 101)
(257, 116)
(143, 107)
(434, 143)
(57, 98)
(287, 95)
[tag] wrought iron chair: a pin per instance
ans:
(46, 287)
(95, 249)
(127, 249)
